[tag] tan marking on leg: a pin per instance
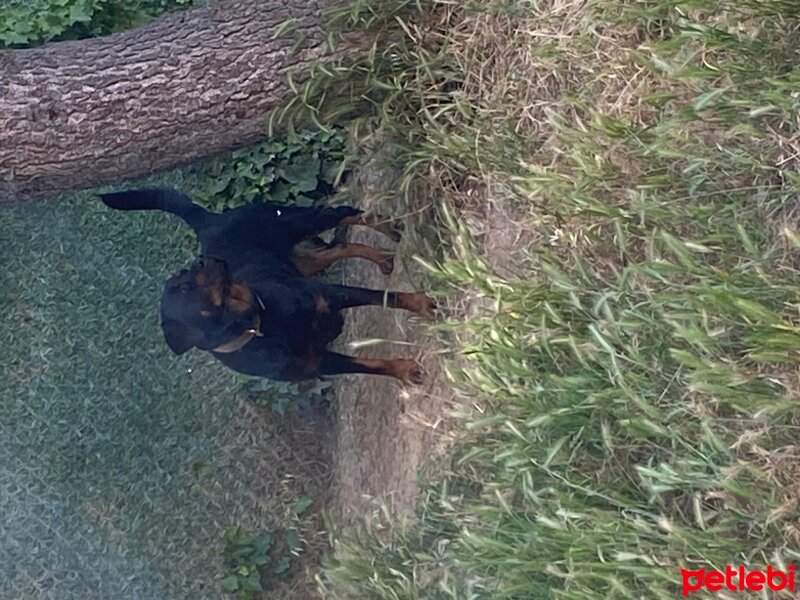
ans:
(417, 302)
(375, 255)
(404, 369)
(309, 259)
(312, 261)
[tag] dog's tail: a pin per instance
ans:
(170, 201)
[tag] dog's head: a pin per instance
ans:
(203, 307)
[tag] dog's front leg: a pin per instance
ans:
(403, 369)
(339, 297)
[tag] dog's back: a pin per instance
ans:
(252, 234)
(263, 233)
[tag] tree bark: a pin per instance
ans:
(75, 115)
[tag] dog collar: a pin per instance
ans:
(246, 336)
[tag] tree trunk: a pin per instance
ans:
(75, 115)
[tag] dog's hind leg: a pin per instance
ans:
(311, 257)
(339, 297)
(307, 221)
(404, 369)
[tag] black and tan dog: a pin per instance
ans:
(274, 328)
(290, 233)
(247, 299)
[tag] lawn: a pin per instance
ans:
(121, 464)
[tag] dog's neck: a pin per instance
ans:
(247, 335)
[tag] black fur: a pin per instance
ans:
(242, 235)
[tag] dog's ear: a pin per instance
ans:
(179, 337)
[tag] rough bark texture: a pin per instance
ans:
(75, 115)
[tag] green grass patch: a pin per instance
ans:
(121, 464)
(99, 422)
(633, 366)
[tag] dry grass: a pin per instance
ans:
(607, 191)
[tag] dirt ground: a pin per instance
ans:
(383, 431)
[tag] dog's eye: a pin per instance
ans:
(201, 263)
(184, 288)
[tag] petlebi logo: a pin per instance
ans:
(738, 579)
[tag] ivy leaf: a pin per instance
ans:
(252, 583)
(10, 38)
(301, 505)
(230, 534)
(230, 583)
(280, 191)
(219, 185)
(303, 171)
(303, 200)
(293, 539)
(80, 13)
(329, 170)
(271, 148)
(246, 169)
(282, 566)
(267, 175)
(263, 542)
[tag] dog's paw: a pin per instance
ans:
(394, 229)
(422, 304)
(387, 265)
(429, 307)
(409, 371)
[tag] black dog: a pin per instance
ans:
(247, 300)
(242, 235)
(275, 328)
